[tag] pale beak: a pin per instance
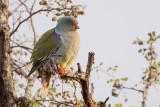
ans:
(76, 26)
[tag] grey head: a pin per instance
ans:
(67, 23)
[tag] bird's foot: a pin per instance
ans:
(62, 71)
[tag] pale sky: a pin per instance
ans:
(109, 28)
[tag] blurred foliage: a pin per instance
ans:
(148, 50)
(118, 105)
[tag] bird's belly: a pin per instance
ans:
(68, 50)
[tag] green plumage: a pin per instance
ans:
(44, 46)
(59, 45)
(42, 49)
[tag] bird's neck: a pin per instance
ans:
(57, 31)
(60, 30)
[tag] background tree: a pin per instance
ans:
(6, 78)
(150, 75)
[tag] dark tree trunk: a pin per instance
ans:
(7, 98)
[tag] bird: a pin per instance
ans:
(56, 50)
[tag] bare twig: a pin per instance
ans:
(18, 6)
(34, 13)
(79, 68)
(106, 100)
(75, 88)
(31, 21)
(90, 62)
(92, 90)
(18, 68)
(124, 87)
(103, 104)
(24, 47)
(30, 85)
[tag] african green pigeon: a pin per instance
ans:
(59, 45)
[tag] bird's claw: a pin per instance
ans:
(61, 70)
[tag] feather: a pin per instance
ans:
(44, 48)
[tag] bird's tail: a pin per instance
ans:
(45, 82)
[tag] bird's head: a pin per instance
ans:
(67, 23)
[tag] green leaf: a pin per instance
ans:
(43, 98)
(118, 105)
(140, 42)
(158, 64)
(68, 82)
(43, 2)
(72, 85)
(117, 85)
(124, 79)
(153, 32)
(35, 104)
(57, 14)
(114, 94)
(140, 50)
(149, 34)
(101, 63)
(53, 89)
(66, 13)
(54, 18)
(52, 98)
(21, 85)
(58, 9)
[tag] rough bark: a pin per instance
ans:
(7, 98)
(85, 82)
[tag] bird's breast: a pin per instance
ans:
(69, 48)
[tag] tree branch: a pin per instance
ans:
(85, 83)
(132, 89)
(90, 62)
(34, 13)
(24, 47)
(83, 79)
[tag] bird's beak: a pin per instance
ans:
(76, 26)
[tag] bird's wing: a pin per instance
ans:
(47, 45)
